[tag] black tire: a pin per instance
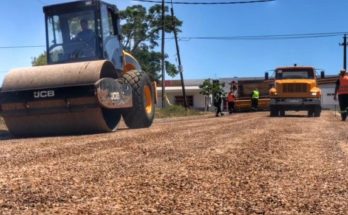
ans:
(274, 112)
(142, 113)
(317, 111)
(282, 113)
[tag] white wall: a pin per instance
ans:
(198, 99)
(327, 94)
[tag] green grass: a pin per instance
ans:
(176, 111)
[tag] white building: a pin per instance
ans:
(174, 94)
(327, 87)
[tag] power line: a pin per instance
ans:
(21, 47)
(268, 37)
(208, 3)
(254, 38)
(245, 37)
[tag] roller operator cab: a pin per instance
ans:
(295, 88)
(83, 31)
(90, 81)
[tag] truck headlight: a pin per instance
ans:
(316, 93)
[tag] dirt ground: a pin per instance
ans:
(247, 163)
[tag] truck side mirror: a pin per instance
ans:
(266, 76)
(322, 74)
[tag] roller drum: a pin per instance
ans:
(57, 99)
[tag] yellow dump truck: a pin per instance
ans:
(295, 88)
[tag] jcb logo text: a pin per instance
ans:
(43, 94)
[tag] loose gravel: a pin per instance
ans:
(246, 163)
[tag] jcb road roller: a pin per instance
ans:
(89, 82)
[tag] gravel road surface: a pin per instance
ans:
(247, 163)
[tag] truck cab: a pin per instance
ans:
(295, 88)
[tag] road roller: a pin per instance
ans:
(90, 82)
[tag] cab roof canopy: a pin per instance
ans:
(76, 5)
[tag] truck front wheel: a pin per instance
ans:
(310, 113)
(314, 111)
(274, 112)
(317, 111)
(282, 112)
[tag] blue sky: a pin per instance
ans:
(22, 23)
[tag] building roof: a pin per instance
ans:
(179, 88)
(191, 82)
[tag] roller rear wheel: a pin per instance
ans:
(142, 113)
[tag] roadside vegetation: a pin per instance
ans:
(176, 111)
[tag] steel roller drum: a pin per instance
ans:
(57, 99)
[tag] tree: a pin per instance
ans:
(144, 27)
(211, 88)
(141, 32)
(150, 62)
(40, 60)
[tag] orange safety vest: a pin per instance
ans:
(230, 97)
(343, 89)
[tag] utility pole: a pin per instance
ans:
(344, 44)
(179, 58)
(162, 51)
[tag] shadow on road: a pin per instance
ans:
(5, 135)
(293, 116)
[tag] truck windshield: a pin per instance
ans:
(71, 36)
(294, 74)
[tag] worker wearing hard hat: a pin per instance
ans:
(342, 91)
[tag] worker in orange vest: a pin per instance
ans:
(342, 91)
(230, 101)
